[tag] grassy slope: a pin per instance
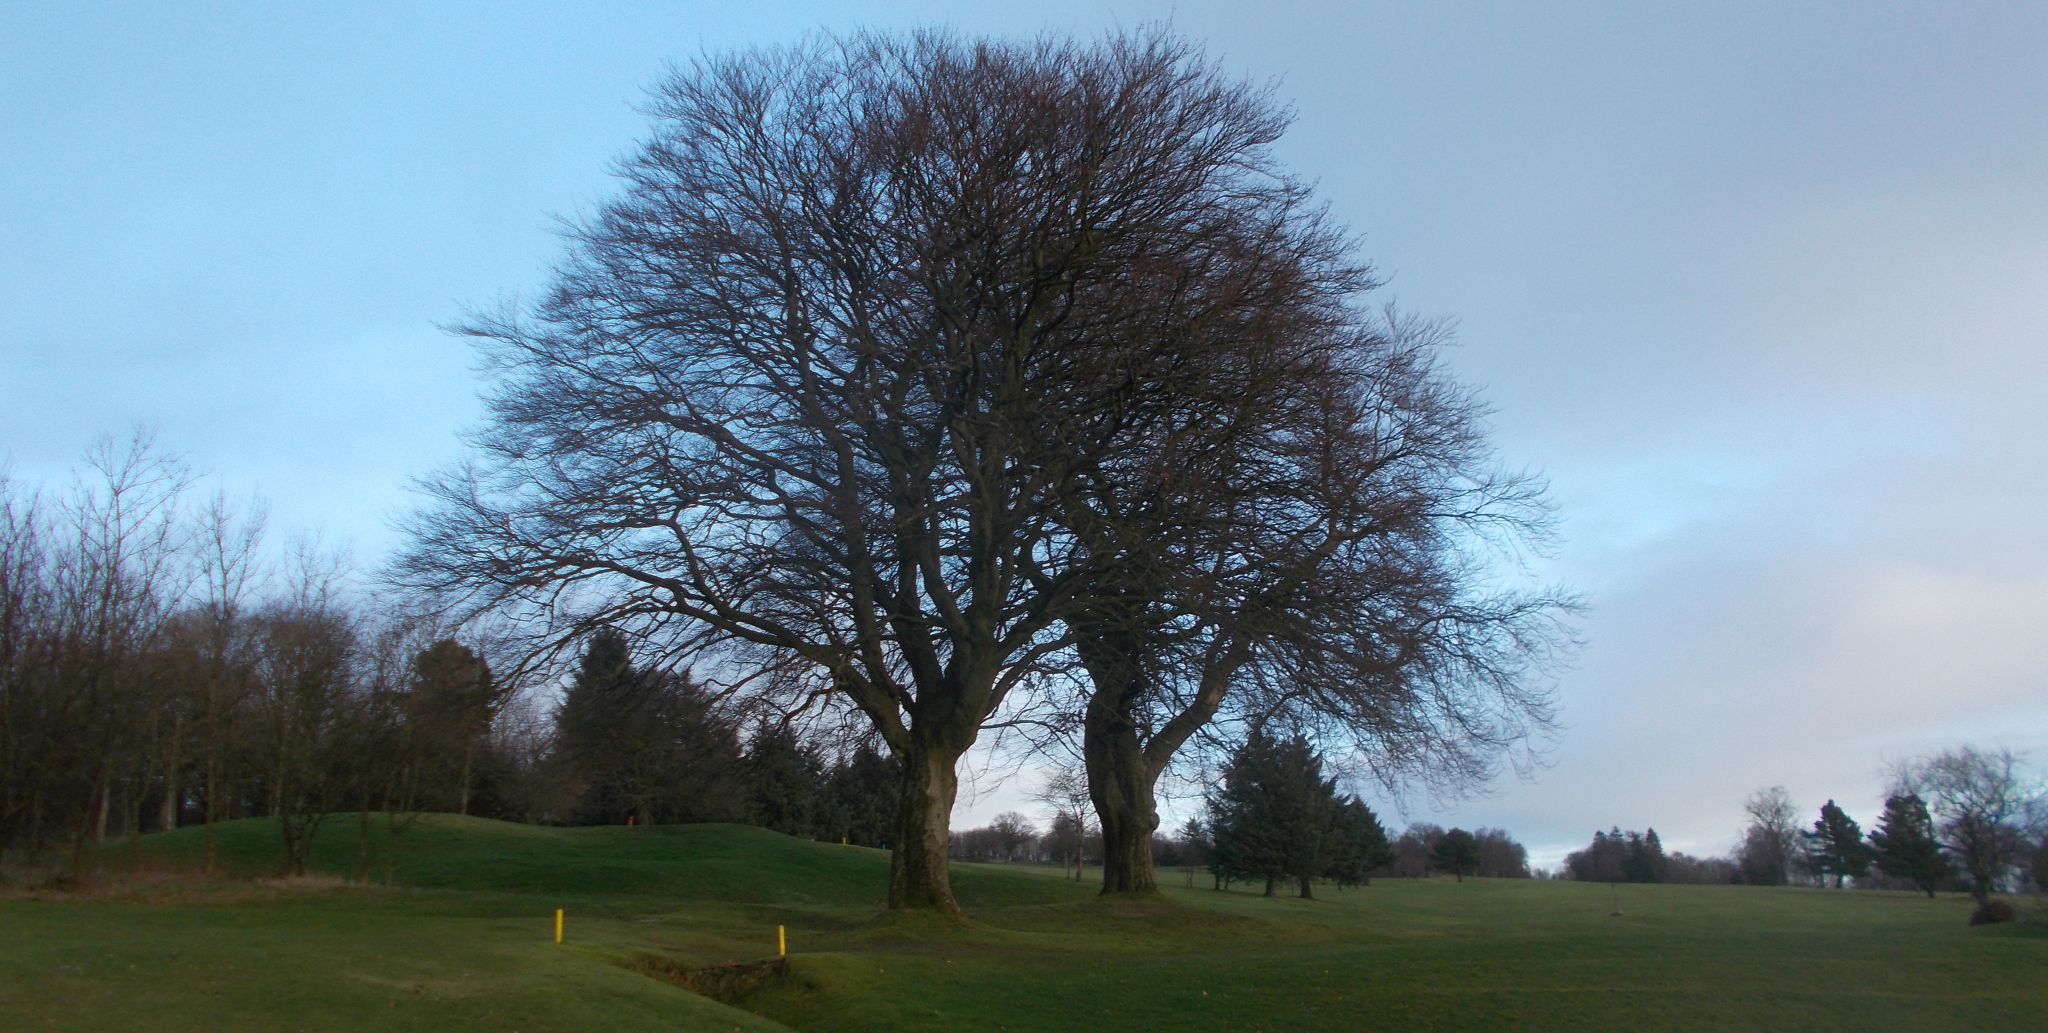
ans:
(464, 944)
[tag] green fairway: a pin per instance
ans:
(463, 940)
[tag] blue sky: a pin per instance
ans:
(1763, 289)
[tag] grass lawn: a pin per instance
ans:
(462, 940)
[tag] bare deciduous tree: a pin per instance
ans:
(817, 392)
(220, 643)
(307, 658)
(1984, 807)
(1770, 842)
(24, 609)
(114, 587)
(1013, 831)
(1065, 791)
(1325, 562)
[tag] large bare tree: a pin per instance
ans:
(815, 391)
(1329, 561)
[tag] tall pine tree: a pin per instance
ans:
(1904, 846)
(783, 780)
(1834, 846)
(1359, 844)
(860, 799)
(449, 707)
(645, 745)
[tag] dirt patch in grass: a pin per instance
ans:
(731, 982)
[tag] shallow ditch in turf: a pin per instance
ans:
(728, 983)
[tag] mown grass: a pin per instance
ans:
(461, 940)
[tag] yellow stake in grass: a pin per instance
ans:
(558, 925)
(781, 943)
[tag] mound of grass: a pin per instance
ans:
(730, 864)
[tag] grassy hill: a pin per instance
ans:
(461, 939)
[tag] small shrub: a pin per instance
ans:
(1994, 912)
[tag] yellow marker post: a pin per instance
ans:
(558, 925)
(781, 943)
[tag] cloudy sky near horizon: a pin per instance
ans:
(1761, 288)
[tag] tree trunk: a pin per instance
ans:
(468, 755)
(1306, 893)
(138, 802)
(106, 799)
(209, 814)
(363, 843)
(1121, 778)
(1121, 782)
(167, 813)
(917, 867)
(294, 849)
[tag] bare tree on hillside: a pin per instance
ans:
(817, 392)
(308, 656)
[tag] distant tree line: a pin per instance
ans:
(1968, 820)
(1419, 851)
(160, 667)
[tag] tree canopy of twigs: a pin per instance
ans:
(902, 367)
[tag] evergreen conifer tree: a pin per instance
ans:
(1358, 843)
(1272, 817)
(1904, 846)
(860, 799)
(645, 745)
(783, 780)
(1457, 853)
(1834, 846)
(1658, 866)
(449, 705)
